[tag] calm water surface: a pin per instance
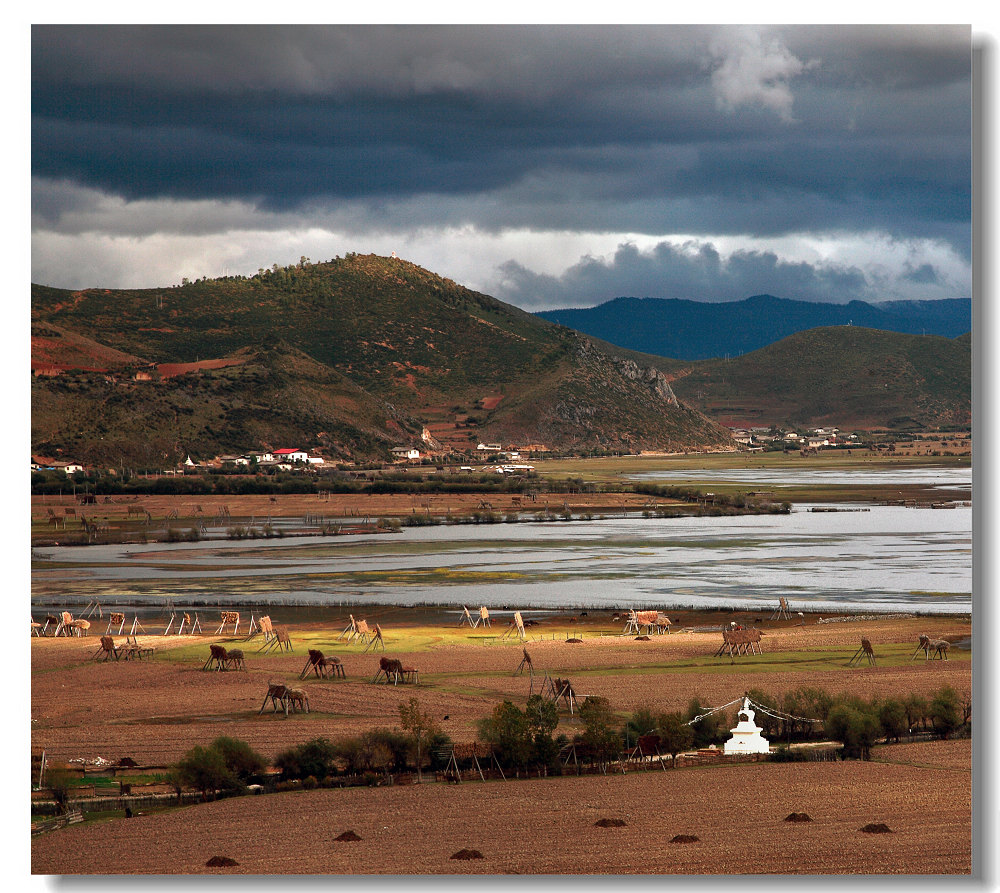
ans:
(886, 559)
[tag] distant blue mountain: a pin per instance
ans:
(695, 330)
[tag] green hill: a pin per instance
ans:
(354, 356)
(843, 375)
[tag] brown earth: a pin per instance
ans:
(154, 711)
(547, 826)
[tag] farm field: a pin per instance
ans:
(155, 711)
(543, 826)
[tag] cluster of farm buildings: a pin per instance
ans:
(507, 459)
(762, 438)
(296, 459)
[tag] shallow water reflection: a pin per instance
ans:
(888, 558)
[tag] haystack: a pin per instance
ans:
(347, 836)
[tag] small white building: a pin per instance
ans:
(746, 736)
(66, 467)
(406, 452)
(293, 454)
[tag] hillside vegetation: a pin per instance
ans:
(352, 356)
(844, 375)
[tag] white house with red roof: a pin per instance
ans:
(291, 455)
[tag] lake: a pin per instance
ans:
(889, 558)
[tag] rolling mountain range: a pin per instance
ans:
(352, 357)
(363, 353)
(847, 376)
(695, 330)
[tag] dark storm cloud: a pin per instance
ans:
(692, 129)
(697, 273)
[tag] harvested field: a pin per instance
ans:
(548, 826)
(154, 711)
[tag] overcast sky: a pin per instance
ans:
(548, 166)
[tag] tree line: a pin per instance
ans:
(526, 740)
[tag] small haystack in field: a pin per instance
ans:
(221, 862)
(610, 823)
(467, 854)
(798, 817)
(347, 837)
(684, 838)
(876, 828)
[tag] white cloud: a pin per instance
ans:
(753, 69)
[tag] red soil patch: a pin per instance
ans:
(490, 402)
(169, 370)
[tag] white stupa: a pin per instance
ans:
(746, 736)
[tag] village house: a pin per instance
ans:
(313, 459)
(233, 461)
(67, 468)
(291, 455)
(407, 453)
(258, 456)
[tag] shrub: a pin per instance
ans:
(892, 716)
(313, 758)
(506, 731)
(945, 712)
(59, 783)
(708, 730)
(641, 722)
(857, 729)
(675, 734)
(916, 709)
(204, 769)
(600, 729)
(239, 758)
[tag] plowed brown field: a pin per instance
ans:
(154, 711)
(547, 826)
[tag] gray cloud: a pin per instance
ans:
(661, 130)
(695, 271)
